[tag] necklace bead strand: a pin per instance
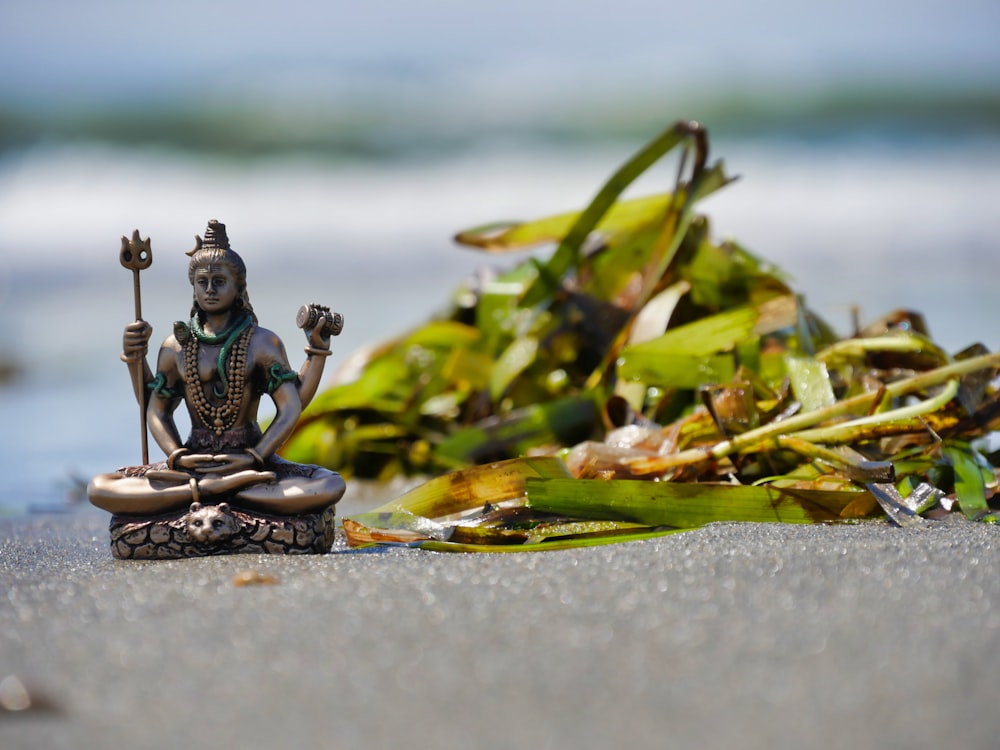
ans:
(222, 417)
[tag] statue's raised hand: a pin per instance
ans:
(319, 324)
(135, 340)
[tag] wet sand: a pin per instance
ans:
(735, 635)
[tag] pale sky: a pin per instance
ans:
(56, 49)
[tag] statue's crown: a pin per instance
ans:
(215, 237)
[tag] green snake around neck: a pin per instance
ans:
(227, 336)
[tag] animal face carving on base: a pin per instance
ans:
(207, 524)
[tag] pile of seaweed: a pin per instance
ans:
(643, 349)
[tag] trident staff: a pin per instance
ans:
(136, 255)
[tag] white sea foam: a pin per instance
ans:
(854, 224)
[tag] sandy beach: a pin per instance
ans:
(735, 635)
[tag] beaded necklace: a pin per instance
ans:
(231, 366)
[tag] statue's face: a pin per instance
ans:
(215, 288)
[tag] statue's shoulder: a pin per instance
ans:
(171, 347)
(265, 336)
(268, 344)
(171, 343)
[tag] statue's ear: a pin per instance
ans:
(223, 507)
(195, 507)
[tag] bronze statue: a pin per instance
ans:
(219, 364)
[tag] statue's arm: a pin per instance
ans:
(164, 399)
(310, 375)
(289, 409)
(135, 346)
(311, 372)
(283, 387)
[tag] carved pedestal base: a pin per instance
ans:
(219, 530)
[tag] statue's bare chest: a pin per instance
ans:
(216, 378)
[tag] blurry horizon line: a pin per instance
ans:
(399, 117)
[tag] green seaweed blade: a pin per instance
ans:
(685, 505)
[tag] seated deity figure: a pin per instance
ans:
(220, 364)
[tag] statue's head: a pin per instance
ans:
(214, 250)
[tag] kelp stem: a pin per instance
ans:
(859, 346)
(839, 432)
(799, 422)
(860, 402)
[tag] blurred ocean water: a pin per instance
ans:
(343, 170)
